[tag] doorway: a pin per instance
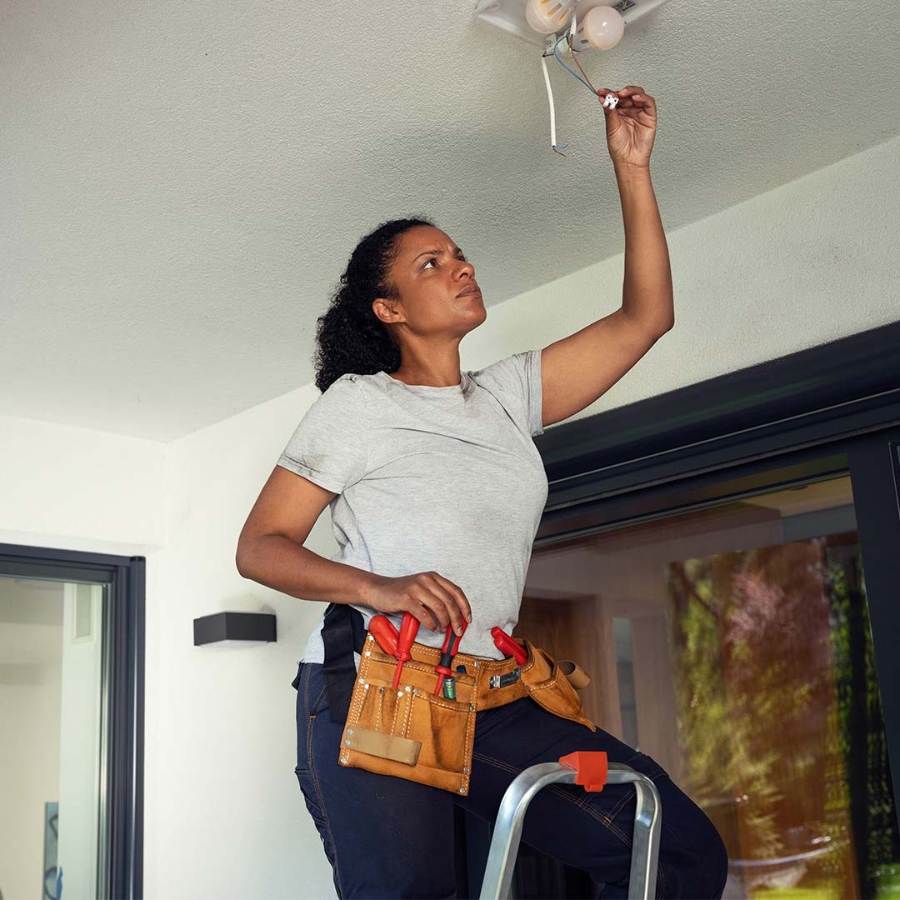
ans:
(71, 687)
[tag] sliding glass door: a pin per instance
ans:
(729, 633)
(71, 665)
(51, 634)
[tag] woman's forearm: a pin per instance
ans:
(282, 564)
(647, 288)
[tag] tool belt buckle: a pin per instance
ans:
(501, 681)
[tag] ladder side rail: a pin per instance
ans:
(645, 837)
(510, 818)
(508, 827)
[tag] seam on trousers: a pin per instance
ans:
(310, 722)
(313, 709)
(660, 882)
(653, 776)
(607, 823)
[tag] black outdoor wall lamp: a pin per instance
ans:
(234, 629)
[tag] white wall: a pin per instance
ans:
(224, 813)
(809, 263)
(79, 489)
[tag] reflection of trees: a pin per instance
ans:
(765, 690)
(863, 745)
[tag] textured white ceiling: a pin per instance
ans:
(181, 183)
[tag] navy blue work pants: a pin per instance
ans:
(387, 837)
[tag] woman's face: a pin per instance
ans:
(435, 285)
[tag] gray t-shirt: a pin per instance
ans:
(443, 479)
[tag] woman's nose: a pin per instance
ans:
(466, 269)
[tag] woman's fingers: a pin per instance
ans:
(448, 603)
(428, 616)
(434, 600)
(635, 98)
(460, 600)
(627, 94)
(629, 97)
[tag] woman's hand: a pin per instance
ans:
(630, 126)
(434, 600)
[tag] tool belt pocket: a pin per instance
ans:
(548, 685)
(408, 731)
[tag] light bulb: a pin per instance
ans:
(602, 27)
(548, 16)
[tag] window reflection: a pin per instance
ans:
(734, 646)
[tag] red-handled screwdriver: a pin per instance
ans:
(448, 651)
(508, 646)
(384, 632)
(409, 628)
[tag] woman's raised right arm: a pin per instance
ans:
(270, 551)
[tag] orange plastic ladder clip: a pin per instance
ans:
(591, 768)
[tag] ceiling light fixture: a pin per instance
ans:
(580, 24)
(513, 16)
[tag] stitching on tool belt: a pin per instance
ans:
(438, 701)
(408, 716)
(469, 744)
(356, 704)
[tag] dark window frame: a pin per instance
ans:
(120, 862)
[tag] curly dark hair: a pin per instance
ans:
(349, 336)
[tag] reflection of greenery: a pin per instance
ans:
(889, 883)
(774, 661)
(862, 738)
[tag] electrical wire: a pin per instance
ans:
(568, 37)
(553, 144)
(573, 73)
(588, 80)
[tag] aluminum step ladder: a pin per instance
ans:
(592, 770)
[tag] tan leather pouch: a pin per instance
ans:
(408, 731)
(548, 685)
(412, 733)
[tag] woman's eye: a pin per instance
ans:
(430, 260)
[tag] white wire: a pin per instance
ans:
(550, 98)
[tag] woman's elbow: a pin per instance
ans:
(245, 557)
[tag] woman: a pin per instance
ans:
(436, 491)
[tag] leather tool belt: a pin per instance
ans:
(411, 732)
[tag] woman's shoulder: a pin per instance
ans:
(354, 385)
(351, 393)
(518, 374)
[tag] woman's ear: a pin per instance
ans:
(387, 311)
